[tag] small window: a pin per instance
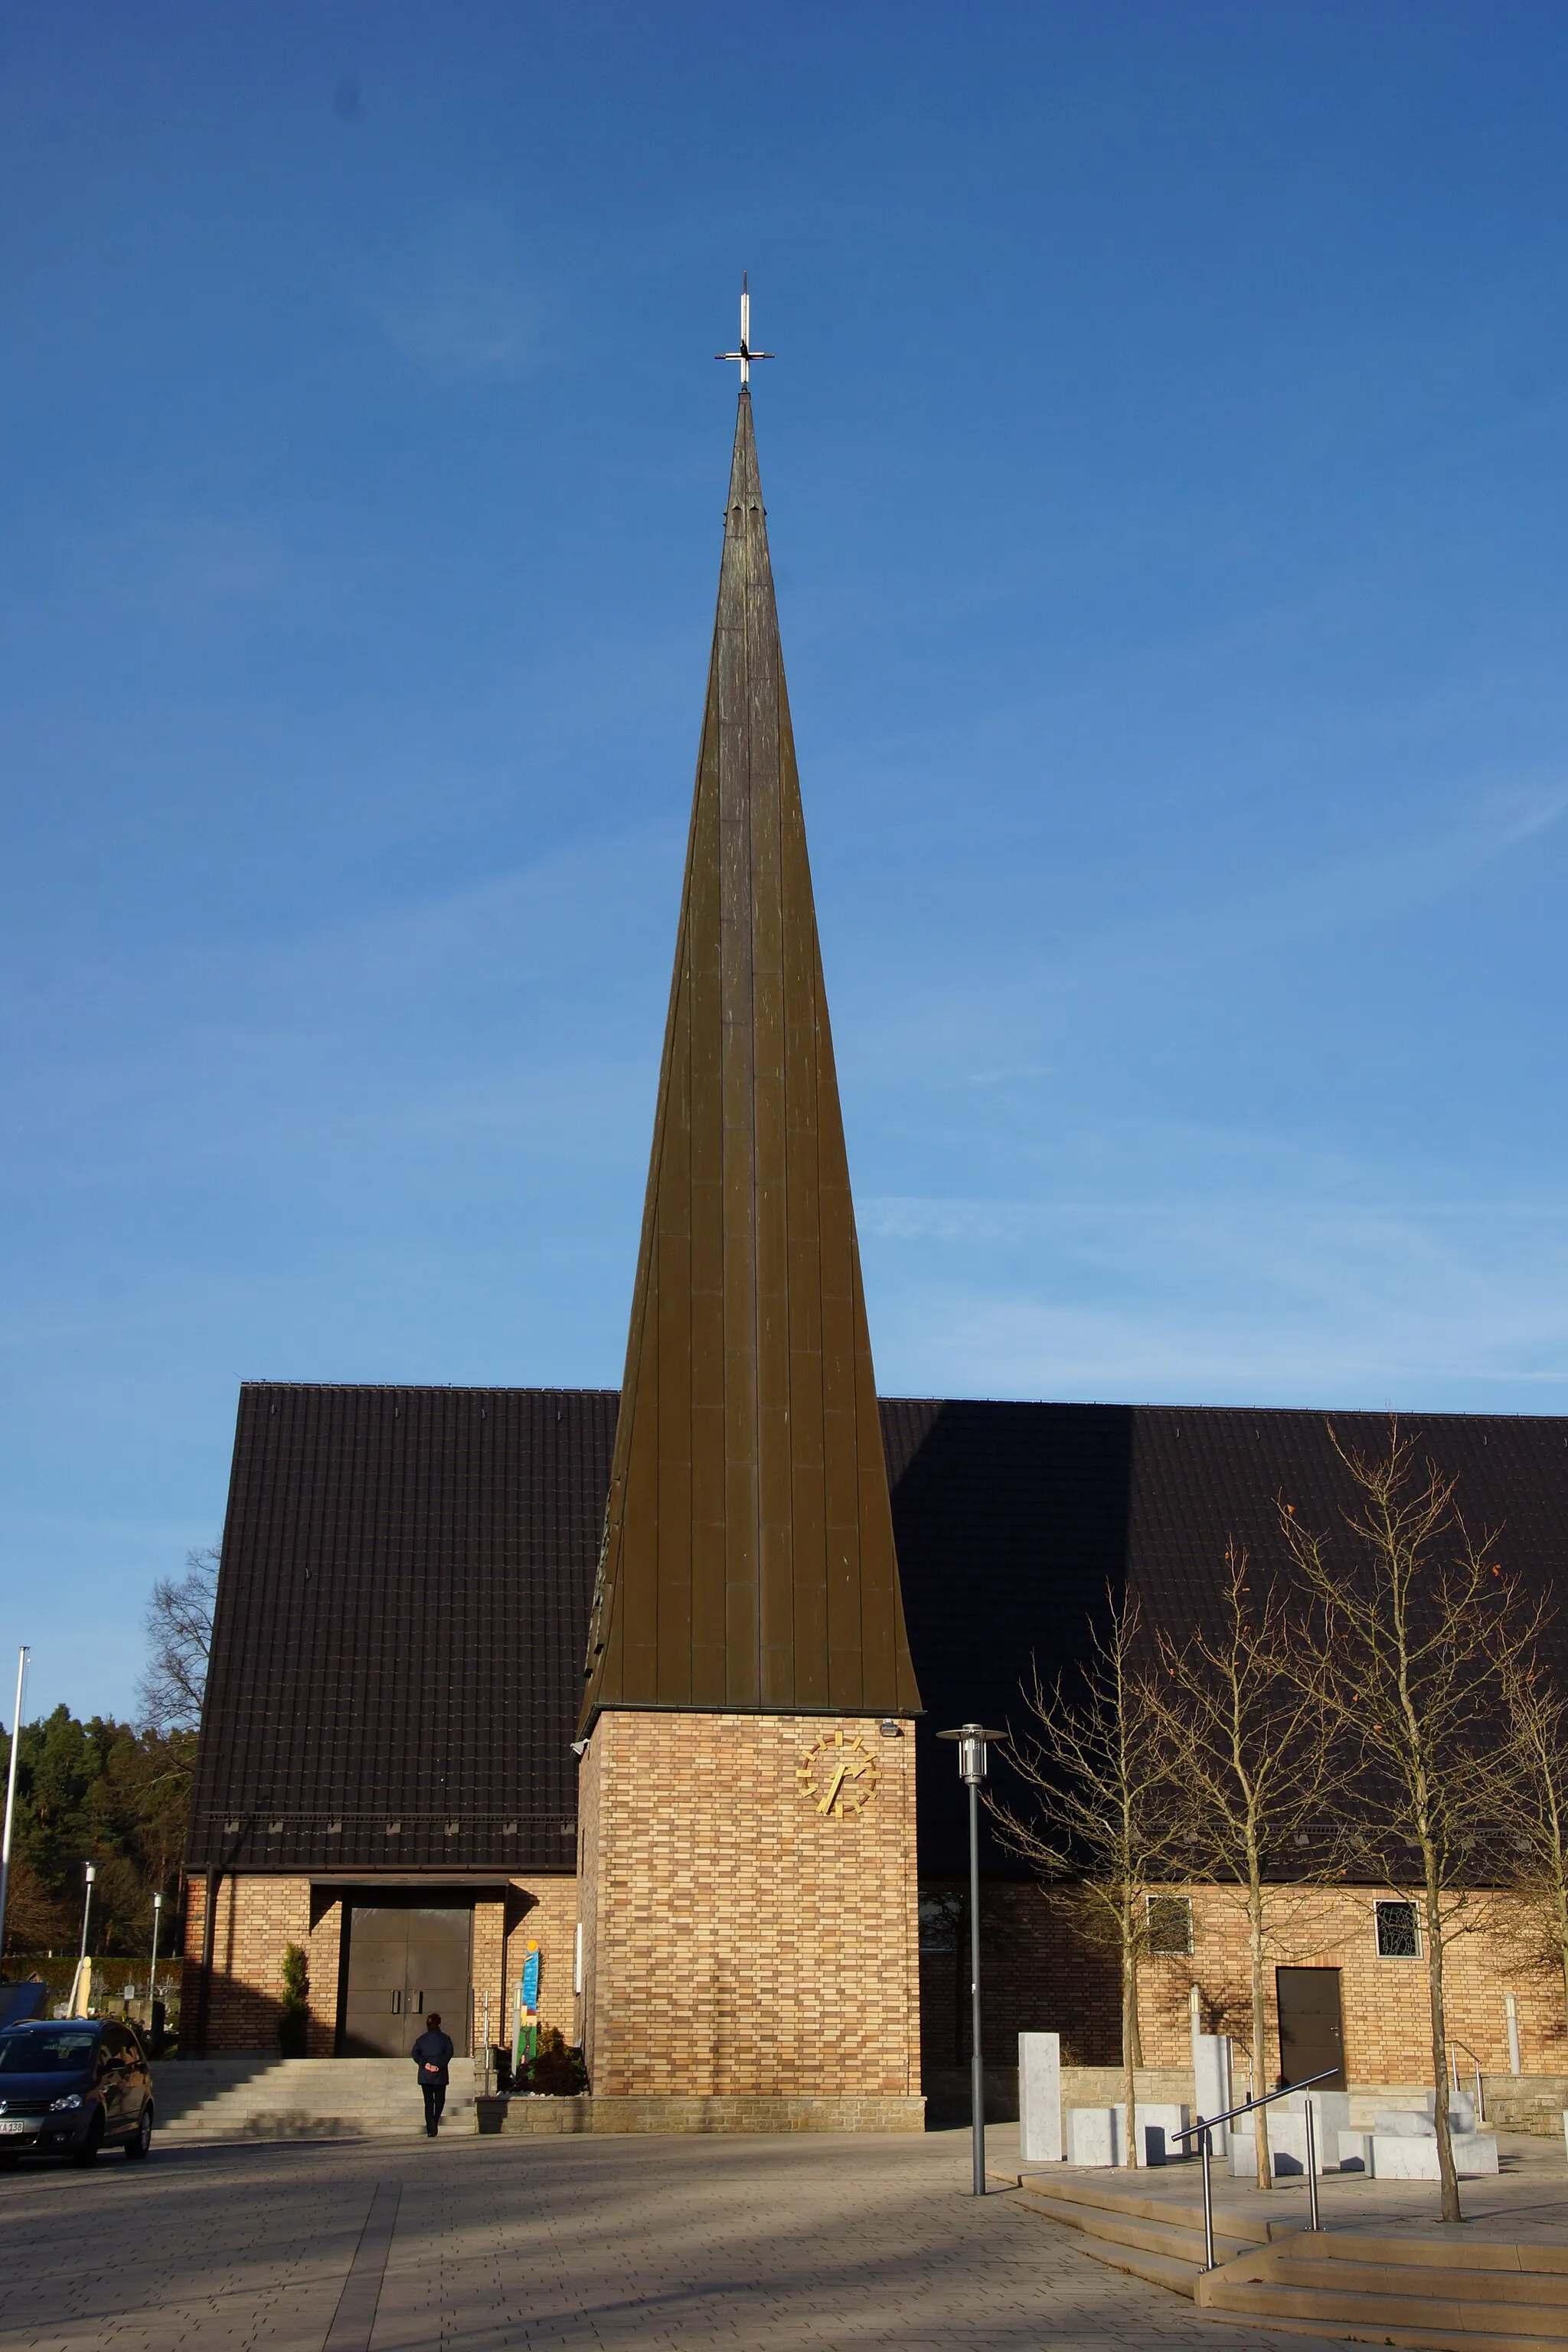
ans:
(945, 1912)
(1170, 1924)
(1398, 1932)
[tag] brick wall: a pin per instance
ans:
(1384, 2002)
(542, 1912)
(257, 1916)
(1039, 1976)
(1037, 1971)
(737, 1940)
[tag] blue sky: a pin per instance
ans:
(1166, 458)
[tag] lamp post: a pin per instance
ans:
(11, 1799)
(971, 1740)
(91, 1870)
(152, 1972)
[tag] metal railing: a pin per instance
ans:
(1453, 2049)
(1205, 2123)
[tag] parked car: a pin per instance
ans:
(71, 2086)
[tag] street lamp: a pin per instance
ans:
(86, 1914)
(153, 1972)
(971, 1740)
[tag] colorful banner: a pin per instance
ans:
(525, 2013)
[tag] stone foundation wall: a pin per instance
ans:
(742, 1945)
(655, 2113)
(1525, 2103)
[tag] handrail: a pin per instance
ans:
(1455, 2043)
(1205, 2123)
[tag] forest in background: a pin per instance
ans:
(114, 1794)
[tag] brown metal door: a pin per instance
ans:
(1311, 2026)
(404, 1962)
(438, 1973)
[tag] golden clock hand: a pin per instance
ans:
(834, 1785)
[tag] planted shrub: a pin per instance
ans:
(294, 2016)
(553, 2068)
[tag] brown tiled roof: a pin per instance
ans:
(404, 1604)
(400, 1624)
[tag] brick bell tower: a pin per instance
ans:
(748, 1903)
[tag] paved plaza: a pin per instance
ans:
(386, 2246)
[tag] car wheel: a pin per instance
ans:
(140, 2140)
(88, 2152)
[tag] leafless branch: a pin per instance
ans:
(179, 1623)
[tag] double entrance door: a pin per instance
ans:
(404, 1962)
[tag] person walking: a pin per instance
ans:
(433, 2054)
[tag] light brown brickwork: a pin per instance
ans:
(257, 1917)
(1386, 2032)
(737, 1942)
(541, 1911)
(1038, 1980)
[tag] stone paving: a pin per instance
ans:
(471, 2244)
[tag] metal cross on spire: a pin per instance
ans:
(745, 355)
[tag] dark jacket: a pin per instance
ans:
(433, 2052)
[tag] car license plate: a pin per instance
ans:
(17, 2123)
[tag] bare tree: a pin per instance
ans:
(1100, 1826)
(1412, 1648)
(1531, 1803)
(179, 1626)
(1244, 1732)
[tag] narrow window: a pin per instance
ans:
(1170, 1923)
(1398, 1934)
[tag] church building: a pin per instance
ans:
(629, 1700)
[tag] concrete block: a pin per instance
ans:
(1096, 2135)
(1212, 2076)
(1040, 2098)
(1475, 2152)
(1158, 2124)
(1461, 2109)
(1398, 2156)
(1397, 2123)
(1356, 2151)
(1330, 2115)
(1287, 2148)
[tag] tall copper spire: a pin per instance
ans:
(748, 1560)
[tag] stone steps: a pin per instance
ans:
(262, 2097)
(1150, 2237)
(1417, 2294)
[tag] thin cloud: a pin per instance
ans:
(461, 300)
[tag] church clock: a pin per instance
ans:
(837, 1775)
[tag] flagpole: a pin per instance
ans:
(11, 1800)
